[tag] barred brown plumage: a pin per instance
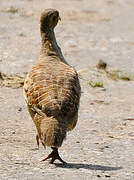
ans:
(52, 90)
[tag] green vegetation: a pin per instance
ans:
(95, 84)
(119, 75)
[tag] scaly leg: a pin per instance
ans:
(54, 155)
(37, 140)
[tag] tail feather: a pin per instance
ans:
(52, 132)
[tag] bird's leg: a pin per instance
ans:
(37, 140)
(43, 144)
(54, 155)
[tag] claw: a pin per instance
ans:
(54, 155)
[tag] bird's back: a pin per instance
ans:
(52, 86)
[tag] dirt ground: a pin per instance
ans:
(102, 144)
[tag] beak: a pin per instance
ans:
(59, 18)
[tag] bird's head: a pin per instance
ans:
(49, 19)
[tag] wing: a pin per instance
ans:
(55, 93)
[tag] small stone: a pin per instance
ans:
(107, 176)
(21, 34)
(101, 64)
(20, 109)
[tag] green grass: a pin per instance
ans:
(95, 84)
(119, 75)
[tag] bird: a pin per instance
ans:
(52, 90)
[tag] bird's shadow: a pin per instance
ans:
(87, 166)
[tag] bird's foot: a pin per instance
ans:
(54, 155)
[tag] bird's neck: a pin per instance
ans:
(49, 45)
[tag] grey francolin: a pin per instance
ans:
(52, 90)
